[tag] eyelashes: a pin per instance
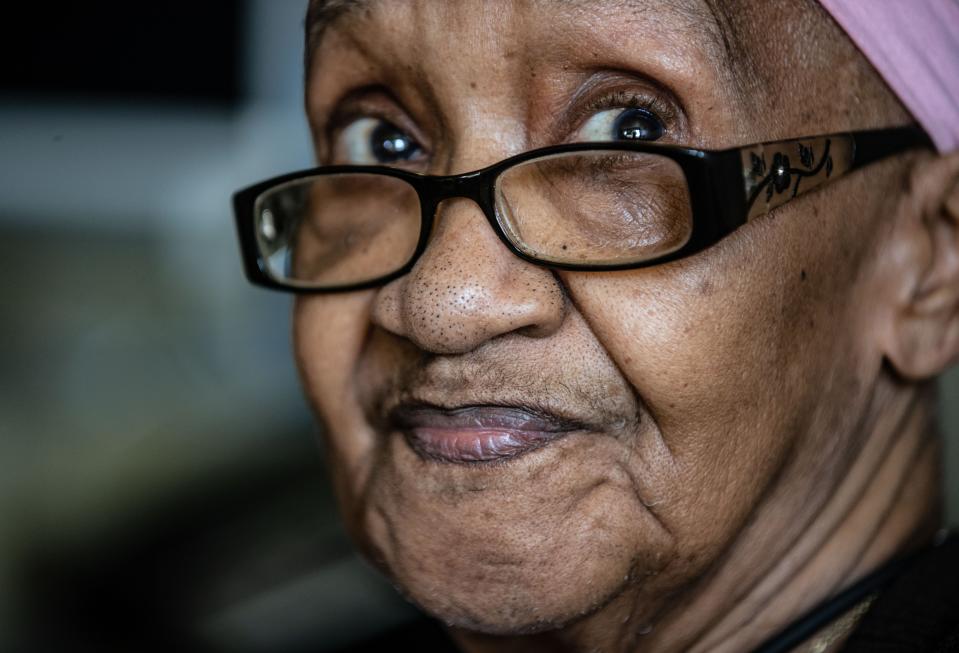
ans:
(624, 114)
(632, 124)
(369, 126)
(374, 141)
(371, 129)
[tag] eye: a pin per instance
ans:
(622, 125)
(372, 141)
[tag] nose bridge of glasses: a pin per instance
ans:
(469, 185)
(476, 186)
(473, 186)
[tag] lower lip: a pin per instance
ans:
(463, 446)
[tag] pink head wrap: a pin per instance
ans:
(914, 44)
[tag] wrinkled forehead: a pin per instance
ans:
(527, 50)
(708, 16)
(703, 25)
(740, 70)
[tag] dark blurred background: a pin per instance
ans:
(161, 487)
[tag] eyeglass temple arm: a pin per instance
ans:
(776, 172)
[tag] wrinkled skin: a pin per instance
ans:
(738, 402)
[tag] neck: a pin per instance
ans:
(796, 551)
(869, 516)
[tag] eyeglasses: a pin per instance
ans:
(581, 206)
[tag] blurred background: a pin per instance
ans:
(159, 480)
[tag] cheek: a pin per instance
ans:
(329, 333)
(728, 352)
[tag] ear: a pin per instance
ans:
(923, 335)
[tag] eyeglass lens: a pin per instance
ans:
(336, 230)
(595, 208)
(589, 208)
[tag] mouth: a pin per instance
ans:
(477, 433)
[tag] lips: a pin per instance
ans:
(473, 434)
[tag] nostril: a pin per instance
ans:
(552, 308)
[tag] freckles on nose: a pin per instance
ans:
(468, 289)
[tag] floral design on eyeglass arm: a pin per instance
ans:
(769, 185)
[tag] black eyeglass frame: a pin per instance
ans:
(725, 189)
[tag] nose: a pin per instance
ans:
(467, 289)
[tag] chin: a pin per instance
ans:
(505, 550)
(505, 608)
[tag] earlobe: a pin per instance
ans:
(924, 336)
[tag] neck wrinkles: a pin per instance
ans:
(869, 518)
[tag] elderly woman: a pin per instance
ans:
(624, 317)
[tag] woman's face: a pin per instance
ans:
(626, 428)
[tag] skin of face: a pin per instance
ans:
(725, 397)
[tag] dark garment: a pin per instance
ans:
(422, 635)
(916, 611)
(916, 608)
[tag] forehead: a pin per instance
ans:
(706, 23)
(751, 70)
(536, 53)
